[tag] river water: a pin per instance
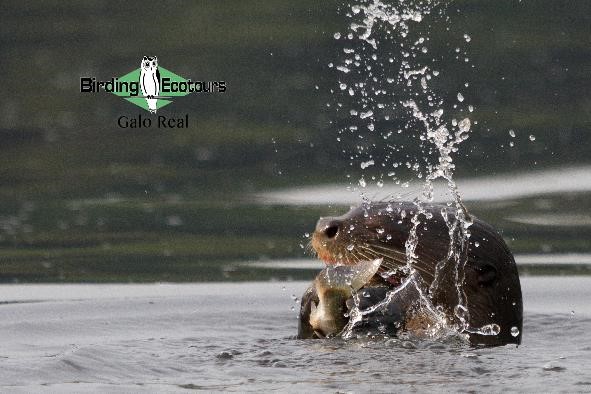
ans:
(239, 337)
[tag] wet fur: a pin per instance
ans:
(491, 282)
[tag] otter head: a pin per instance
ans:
(368, 232)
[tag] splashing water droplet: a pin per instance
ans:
(362, 182)
(467, 38)
(514, 331)
(366, 164)
(337, 35)
(367, 114)
(512, 133)
(532, 137)
(490, 329)
(464, 125)
(460, 97)
(343, 69)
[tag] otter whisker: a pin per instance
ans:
(390, 250)
(417, 265)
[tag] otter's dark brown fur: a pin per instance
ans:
(380, 230)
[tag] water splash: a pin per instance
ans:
(391, 106)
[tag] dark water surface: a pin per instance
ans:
(238, 337)
(82, 200)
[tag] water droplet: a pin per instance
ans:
(514, 331)
(512, 133)
(367, 114)
(464, 125)
(461, 312)
(477, 244)
(366, 164)
(337, 35)
(460, 97)
(532, 137)
(490, 329)
(380, 230)
(350, 247)
(362, 182)
(380, 183)
(467, 38)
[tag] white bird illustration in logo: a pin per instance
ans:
(150, 81)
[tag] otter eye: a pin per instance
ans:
(331, 231)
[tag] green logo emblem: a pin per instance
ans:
(150, 87)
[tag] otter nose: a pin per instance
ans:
(329, 227)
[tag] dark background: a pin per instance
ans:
(83, 200)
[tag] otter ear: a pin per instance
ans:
(487, 274)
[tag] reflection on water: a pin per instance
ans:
(178, 240)
(169, 337)
(490, 188)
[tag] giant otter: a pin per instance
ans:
(490, 288)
